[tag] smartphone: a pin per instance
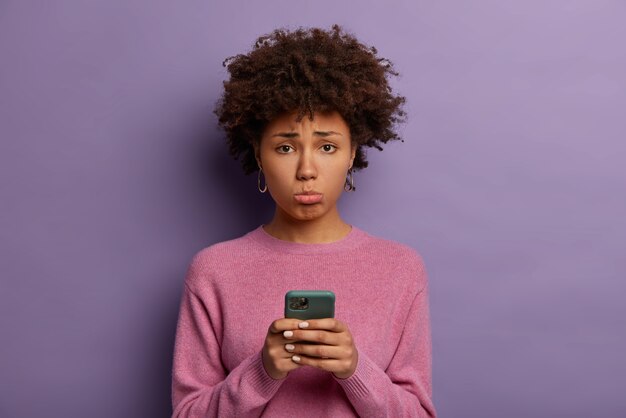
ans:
(309, 304)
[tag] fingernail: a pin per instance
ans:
(303, 325)
(290, 347)
(288, 334)
(295, 358)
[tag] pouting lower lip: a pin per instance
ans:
(308, 198)
(309, 194)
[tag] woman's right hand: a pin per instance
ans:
(276, 359)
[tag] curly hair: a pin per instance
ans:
(308, 70)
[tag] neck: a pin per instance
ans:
(322, 230)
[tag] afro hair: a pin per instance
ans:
(308, 70)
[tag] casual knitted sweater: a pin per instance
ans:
(233, 291)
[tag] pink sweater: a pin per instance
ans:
(233, 291)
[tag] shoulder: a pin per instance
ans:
(405, 259)
(216, 258)
(402, 253)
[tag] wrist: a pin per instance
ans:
(350, 372)
(344, 375)
(271, 372)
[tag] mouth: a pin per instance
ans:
(308, 198)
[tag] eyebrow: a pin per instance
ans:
(295, 134)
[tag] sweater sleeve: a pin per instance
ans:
(201, 387)
(405, 388)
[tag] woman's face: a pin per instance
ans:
(306, 157)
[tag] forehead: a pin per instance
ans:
(321, 121)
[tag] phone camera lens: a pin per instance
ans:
(298, 303)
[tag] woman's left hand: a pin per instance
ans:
(334, 352)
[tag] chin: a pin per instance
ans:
(307, 214)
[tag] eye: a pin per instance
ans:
(283, 149)
(328, 147)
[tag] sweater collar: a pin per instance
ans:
(354, 238)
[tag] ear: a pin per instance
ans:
(257, 153)
(353, 153)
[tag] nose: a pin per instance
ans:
(306, 166)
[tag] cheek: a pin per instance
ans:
(274, 171)
(278, 185)
(336, 180)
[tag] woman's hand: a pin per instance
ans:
(287, 347)
(334, 352)
(276, 360)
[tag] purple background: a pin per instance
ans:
(511, 184)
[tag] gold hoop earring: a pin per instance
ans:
(259, 182)
(349, 184)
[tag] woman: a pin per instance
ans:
(234, 353)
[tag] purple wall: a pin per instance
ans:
(511, 184)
